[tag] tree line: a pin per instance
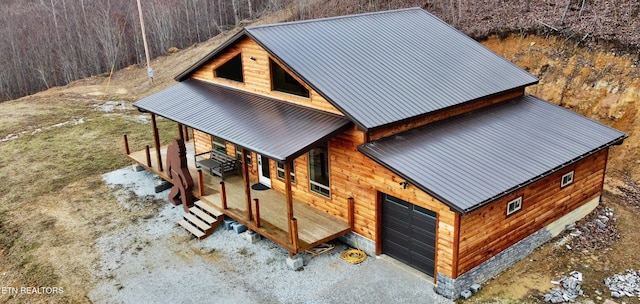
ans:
(46, 43)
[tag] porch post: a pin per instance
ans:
(247, 187)
(180, 132)
(289, 198)
(156, 138)
(186, 133)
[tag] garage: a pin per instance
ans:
(409, 233)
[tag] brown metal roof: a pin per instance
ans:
(384, 67)
(276, 129)
(473, 159)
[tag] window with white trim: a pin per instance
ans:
(218, 144)
(567, 179)
(514, 206)
(319, 170)
(280, 173)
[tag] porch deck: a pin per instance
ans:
(314, 227)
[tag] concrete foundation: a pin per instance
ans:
(162, 185)
(227, 224)
(251, 237)
(360, 242)
(295, 263)
(238, 228)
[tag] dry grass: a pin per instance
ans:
(53, 203)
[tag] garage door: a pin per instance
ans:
(409, 233)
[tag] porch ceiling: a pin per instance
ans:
(276, 129)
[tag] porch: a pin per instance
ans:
(266, 212)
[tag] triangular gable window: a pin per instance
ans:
(231, 69)
(284, 82)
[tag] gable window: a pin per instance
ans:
(283, 82)
(218, 144)
(514, 206)
(567, 179)
(239, 155)
(281, 172)
(231, 69)
(319, 170)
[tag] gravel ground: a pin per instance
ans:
(155, 261)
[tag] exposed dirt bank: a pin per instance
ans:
(598, 84)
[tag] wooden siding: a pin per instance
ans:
(443, 114)
(202, 143)
(257, 75)
(352, 174)
(487, 231)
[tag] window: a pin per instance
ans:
(319, 170)
(281, 172)
(283, 82)
(239, 155)
(514, 205)
(567, 179)
(231, 69)
(218, 144)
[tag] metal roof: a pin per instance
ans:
(278, 130)
(384, 67)
(473, 159)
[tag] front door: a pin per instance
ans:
(264, 175)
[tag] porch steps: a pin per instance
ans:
(208, 209)
(201, 220)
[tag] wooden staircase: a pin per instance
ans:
(201, 220)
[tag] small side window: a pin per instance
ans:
(567, 179)
(514, 206)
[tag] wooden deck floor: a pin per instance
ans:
(314, 227)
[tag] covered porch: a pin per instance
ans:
(274, 129)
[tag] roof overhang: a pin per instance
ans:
(471, 160)
(275, 129)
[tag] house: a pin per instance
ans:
(392, 131)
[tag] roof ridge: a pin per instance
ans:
(356, 15)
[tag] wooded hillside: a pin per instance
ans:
(47, 43)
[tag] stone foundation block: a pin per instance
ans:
(295, 263)
(252, 237)
(227, 224)
(238, 228)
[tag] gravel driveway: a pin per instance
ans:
(156, 261)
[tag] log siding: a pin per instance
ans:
(257, 75)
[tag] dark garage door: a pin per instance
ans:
(409, 233)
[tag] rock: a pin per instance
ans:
(570, 290)
(624, 284)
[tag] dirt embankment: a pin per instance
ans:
(598, 84)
